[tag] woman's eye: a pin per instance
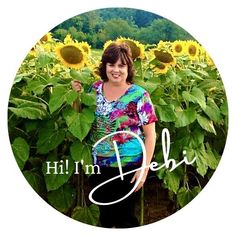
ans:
(121, 65)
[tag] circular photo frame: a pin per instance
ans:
(60, 96)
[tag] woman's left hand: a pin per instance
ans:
(142, 181)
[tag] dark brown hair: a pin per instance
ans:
(112, 54)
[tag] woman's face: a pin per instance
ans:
(117, 72)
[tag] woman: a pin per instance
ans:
(121, 106)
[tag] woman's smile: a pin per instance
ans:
(117, 72)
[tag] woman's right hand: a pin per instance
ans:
(76, 85)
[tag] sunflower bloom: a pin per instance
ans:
(209, 60)
(164, 45)
(106, 44)
(95, 71)
(137, 48)
(46, 38)
(86, 47)
(161, 68)
(164, 57)
(32, 52)
(178, 48)
(192, 49)
(68, 39)
(71, 55)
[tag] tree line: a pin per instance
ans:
(96, 27)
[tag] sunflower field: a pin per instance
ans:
(186, 90)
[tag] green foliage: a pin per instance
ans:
(87, 215)
(96, 27)
(46, 131)
(55, 180)
(185, 195)
(62, 198)
(21, 151)
(191, 103)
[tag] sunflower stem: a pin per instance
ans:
(142, 206)
(77, 104)
(141, 68)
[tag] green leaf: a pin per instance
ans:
(28, 109)
(37, 85)
(71, 96)
(208, 84)
(54, 178)
(195, 96)
(31, 125)
(88, 215)
(212, 159)
(213, 111)
(62, 198)
(43, 59)
(184, 195)
(26, 102)
(36, 180)
(185, 117)
(189, 73)
(202, 73)
(88, 113)
(161, 173)
(32, 113)
(88, 99)
(57, 98)
(18, 78)
(174, 77)
(166, 113)
(83, 76)
(201, 161)
(80, 127)
(156, 95)
(78, 124)
(60, 95)
(76, 150)
(206, 124)
(49, 138)
(200, 97)
(79, 152)
(196, 138)
(149, 86)
(172, 180)
(190, 153)
(224, 108)
(20, 150)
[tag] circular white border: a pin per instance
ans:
(23, 22)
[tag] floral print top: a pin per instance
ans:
(129, 112)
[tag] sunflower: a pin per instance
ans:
(178, 48)
(205, 57)
(106, 44)
(137, 48)
(56, 68)
(71, 55)
(32, 52)
(164, 57)
(192, 49)
(161, 68)
(95, 71)
(86, 47)
(46, 38)
(209, 60)
(68, 39)
(164, 45)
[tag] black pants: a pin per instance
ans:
(121, 214)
